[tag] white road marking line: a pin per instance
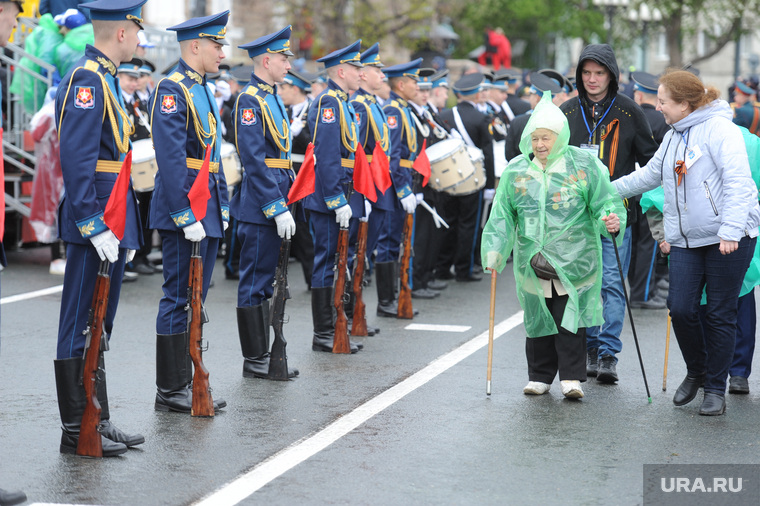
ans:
(31, 295)
(281, 462)
(438, 328)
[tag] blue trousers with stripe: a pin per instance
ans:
(82, 265)
(260, 246)
(172, 317)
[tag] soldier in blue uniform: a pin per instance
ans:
(373, 129)
(184, 121)
(94, 131)
(393, 206)
(746, 109)
(332, 125)
(263, 141)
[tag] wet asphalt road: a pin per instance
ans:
(446, 442)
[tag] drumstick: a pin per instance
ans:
(436, 217)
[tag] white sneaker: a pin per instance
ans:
(536, 388)
(571, 389)
(58, 266)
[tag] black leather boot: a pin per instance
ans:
(387, 305)
(253, 330)
(174, 375)
(71, 404)
(713, 404)
(688, 389)
(107, 428)
(323, 320)
(11, 498)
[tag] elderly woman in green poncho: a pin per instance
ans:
(551, 205)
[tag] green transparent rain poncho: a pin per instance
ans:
(556, 211)
(72, 49)
(41, 43)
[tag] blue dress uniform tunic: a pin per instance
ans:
(373, 127)
(390, 217)
(263, 141)
(184, 119)
(332, 125)
(94, 139)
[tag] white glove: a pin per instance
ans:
(107, 246)
(420, 197)
(409, 203)
(225, 225)
(343, 215)
(194, 232)
(367, 211)
(131, 254)
(286, 225)
(489, 194)
(296, 127)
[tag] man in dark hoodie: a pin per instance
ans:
(614, 128)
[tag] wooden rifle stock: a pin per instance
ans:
(341, 342)
(203, 404)
(359, 324)
(278, 359)
(405, 309)
(90, 443)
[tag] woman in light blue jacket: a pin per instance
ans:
(711, 218)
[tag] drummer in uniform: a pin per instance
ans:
(426, 235)
(373, 129)
(462, 212)
(294, 92)
(393, 206)
(184, 122)
(332, 125)
(93, 130)
(263, 141)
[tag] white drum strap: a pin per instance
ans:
(508, 110)
(424, 129)
(438, 130)
(462, 130)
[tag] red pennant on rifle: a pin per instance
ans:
(363, 181)
(303, 186)
(199, 193)
(422, 164)
(380, 169)
(115, 215)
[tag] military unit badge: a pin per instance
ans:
(248, 117)
(328, 115)
(358, 119)
(84, 98)
(392, 121)
(168, 104)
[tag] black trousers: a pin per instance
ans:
(462, 213)
(427, 239)
(564, 351)
(641, 272)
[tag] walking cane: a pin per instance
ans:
(667, 349)
(490, 331)
(630, 316)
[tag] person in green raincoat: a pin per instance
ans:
(553, 200)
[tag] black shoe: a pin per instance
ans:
(143, 268)
(655, 302)
(663, 284)
(231, 274)
(437, 285)
(713, 404)
(424, 293)
(592, 362)
(607, 372)
(112, 432)
(9, 498)
(738, 385)
(129, 277)
(688, 389)
(470, 277)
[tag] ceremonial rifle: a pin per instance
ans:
(90, 443)
(278, 359)
(341, 343)
(359, 323)
(405, 309)
(203, 404)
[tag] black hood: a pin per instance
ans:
(603, 55)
